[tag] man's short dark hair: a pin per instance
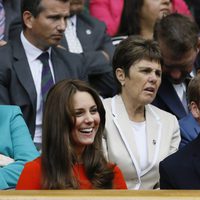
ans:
(34, 7)
(178, 32)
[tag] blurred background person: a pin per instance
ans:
(139, 17)
(178, 39)
(72, 155)
(138, 135)
(190, 124)
(86, 34)
(128, 17)
(16, 146)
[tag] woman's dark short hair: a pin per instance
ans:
(132, 50)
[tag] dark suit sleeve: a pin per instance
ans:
(13, 19)
(184, 138)
(4, 75)
(15, 28)
(104, 83)
(95, 42)
(105, 41)
(165, 177)
(97, 60)
(100, 77)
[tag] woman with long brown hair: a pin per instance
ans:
(72, 156)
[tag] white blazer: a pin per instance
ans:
(163, 138)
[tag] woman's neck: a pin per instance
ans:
(147, 30)
(79, 153)
(136, 111)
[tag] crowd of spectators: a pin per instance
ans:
(99, 94)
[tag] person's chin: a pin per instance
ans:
(148, 100)
(177, 81)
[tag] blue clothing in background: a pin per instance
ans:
(16, 143)
(189, 129)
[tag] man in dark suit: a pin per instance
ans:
(85, 34)
(44, 22)
(177, 36)
(20, 69)
(181, 170)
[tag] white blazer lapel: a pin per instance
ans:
(121, 120)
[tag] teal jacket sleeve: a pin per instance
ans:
(16, 143)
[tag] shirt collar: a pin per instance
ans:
(73, 20)
(32, 51)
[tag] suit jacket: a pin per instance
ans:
(13, 18)
(120, 146)
(93, 38)
(16, 81)
(167, 99)
(182, 169)
(189, 128)
(16, 143)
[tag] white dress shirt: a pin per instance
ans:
(35, 65)
(181, 92)
(140, 136)
(73, 42)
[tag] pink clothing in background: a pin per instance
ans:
(181, 7)
(110, 11)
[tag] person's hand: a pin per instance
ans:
(2, 42)
(5, 160)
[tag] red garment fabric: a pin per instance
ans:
(30, 178)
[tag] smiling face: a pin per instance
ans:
(87, 120)
(47, 28)
(142, 83)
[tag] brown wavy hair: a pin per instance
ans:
(58, 153)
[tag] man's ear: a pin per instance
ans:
(119, 72)
(28, 19)
(194, 110)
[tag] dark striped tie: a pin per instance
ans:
(47, 79)
(2, 20)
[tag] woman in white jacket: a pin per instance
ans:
(138, 135)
